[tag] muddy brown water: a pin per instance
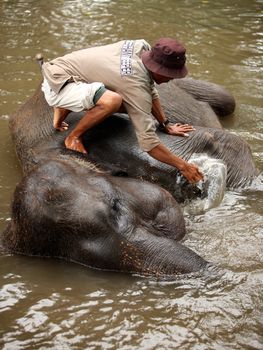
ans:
(51, 304)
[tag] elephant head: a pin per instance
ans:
(64, 209)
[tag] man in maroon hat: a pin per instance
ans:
(119, 77)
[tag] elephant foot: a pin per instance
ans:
(74, 143)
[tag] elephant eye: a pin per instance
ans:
(115, 204)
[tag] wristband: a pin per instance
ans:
(162, 126)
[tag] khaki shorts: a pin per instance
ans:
(75, 96)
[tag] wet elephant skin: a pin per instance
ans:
(62, 209)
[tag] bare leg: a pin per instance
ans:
(59, 115)
(108, 104)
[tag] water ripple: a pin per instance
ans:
(47, 304)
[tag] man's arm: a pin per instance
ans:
(138, 107)
(188, 170)
(169, 128)
(157, 111)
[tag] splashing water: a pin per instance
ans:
(212, 187)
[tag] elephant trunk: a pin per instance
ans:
(159, 256)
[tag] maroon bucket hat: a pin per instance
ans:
(167, 58)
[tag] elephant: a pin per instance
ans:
(66, 210)
(180, 106)
(115, 208)
(40, 139)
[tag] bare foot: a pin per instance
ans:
(61, 127)
(59, 115)
(74, 143)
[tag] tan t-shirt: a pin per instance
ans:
(120, 68)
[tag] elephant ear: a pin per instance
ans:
(230, 148)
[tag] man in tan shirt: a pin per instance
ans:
(119, 77)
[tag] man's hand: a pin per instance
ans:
(191, 172)
(188, 170)
(179, 129)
